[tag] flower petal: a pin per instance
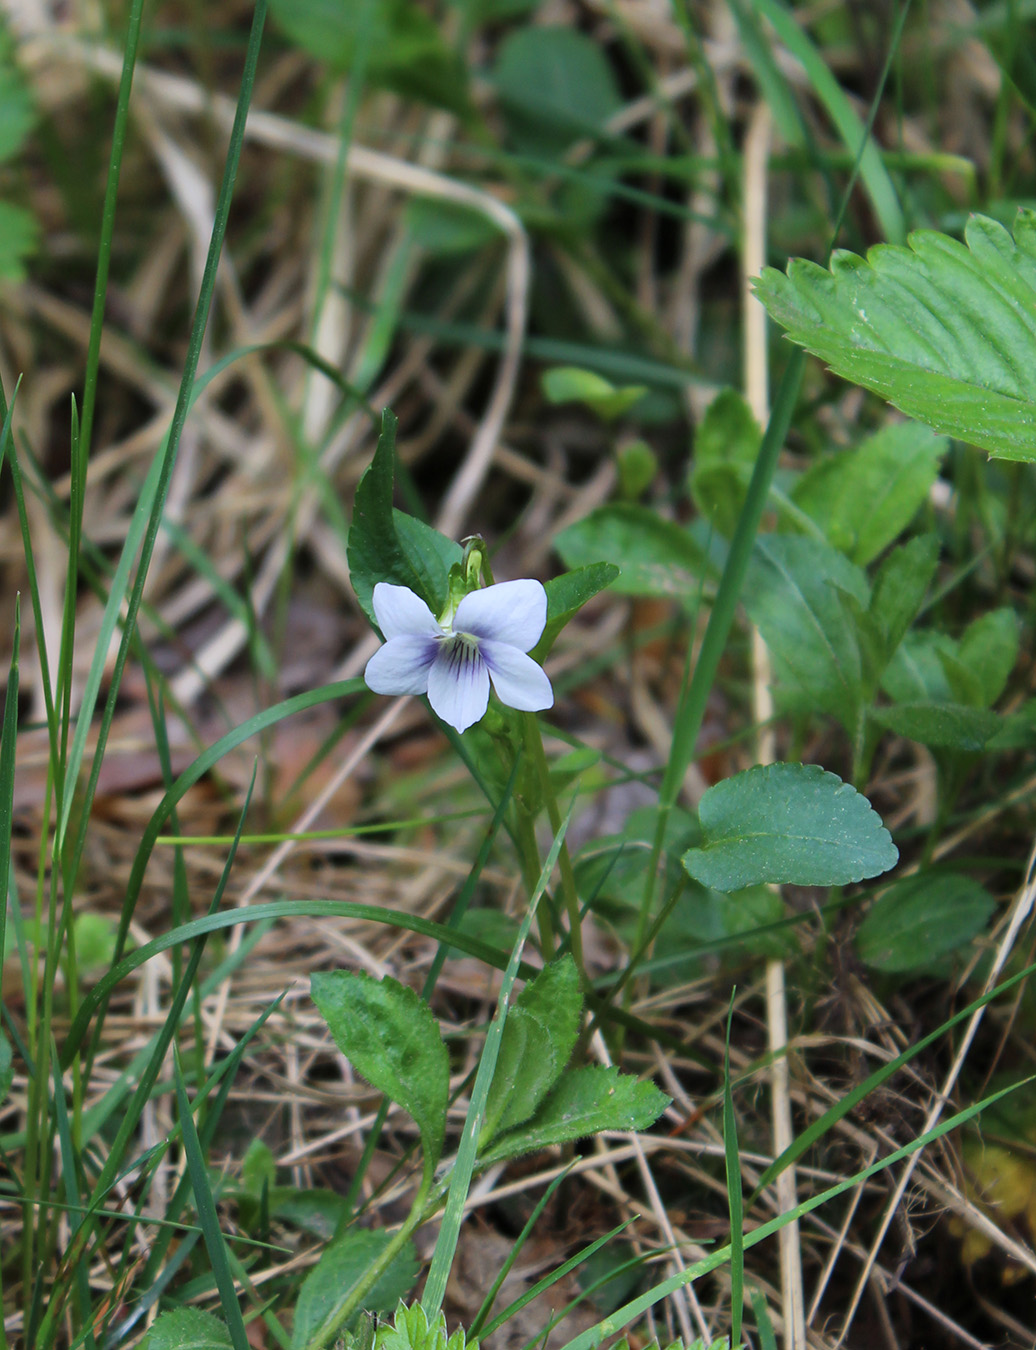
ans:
(512, 611)
(402, 665)
(400, 612)
(518, 680)
(458, 684)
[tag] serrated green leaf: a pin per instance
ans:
(391, 1037)
(943, 726)
(796, 592)
(943, 330)
(726, 445)
(188, 1329)
(788, 824)
(566, 596)
(655, 556)
(922, 919)
(341, 1267)
(988, 648)
(585, 1101)
(538, 1040)
(865, 497)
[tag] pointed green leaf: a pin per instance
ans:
(943, 330)
(391, 1037)
(795, 593)
(865, 497)
(538, 1040)
(922, 919)
(567, 594)
(900, 588)
(788, 824)
(989, 650)
(943, 726)
(386, 545)
(188, 1329)
(573, 384)
(585, 1101)
(340, 1269)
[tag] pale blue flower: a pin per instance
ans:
(454, 660)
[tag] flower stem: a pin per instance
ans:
(534, 749)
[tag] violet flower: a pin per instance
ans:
(455, 659)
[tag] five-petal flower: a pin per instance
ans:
(454, 662)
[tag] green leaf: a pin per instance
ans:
(404, 48)
(586, 1101)
(638, 468)
(916, 672)
(900, 588)
(340, 1269)
(6, 1067)
(386, 545)
(655, 556)
(865, 497)
(258, 1168)
(796, 593)
(788, 824)
(726, 446)
(943, 330)
(19, 239)
(988, 649)
(390, 1036)
(554, 85)
(572, 384)
(943, 726)
(539, 1037)
(17, 110)
(188, 1329)
(566, 596)
(921, 919)
(446, 228)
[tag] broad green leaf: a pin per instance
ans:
(567, 594)
(989, 650)
(788, 824)
(865, 497)
(573, 384)
(585, 1101)
(386, 545)
(538, 1040)
(320, 1212)
(921, 919)
(943, 330)
(726, 445)
(554, 84)
(391, 1037)
(404, 48)
(188, 1329)
(654, 556)
(796, 592)
(340, 1269)
(6, 1067)
(943, 726)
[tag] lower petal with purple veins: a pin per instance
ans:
(458, 683)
